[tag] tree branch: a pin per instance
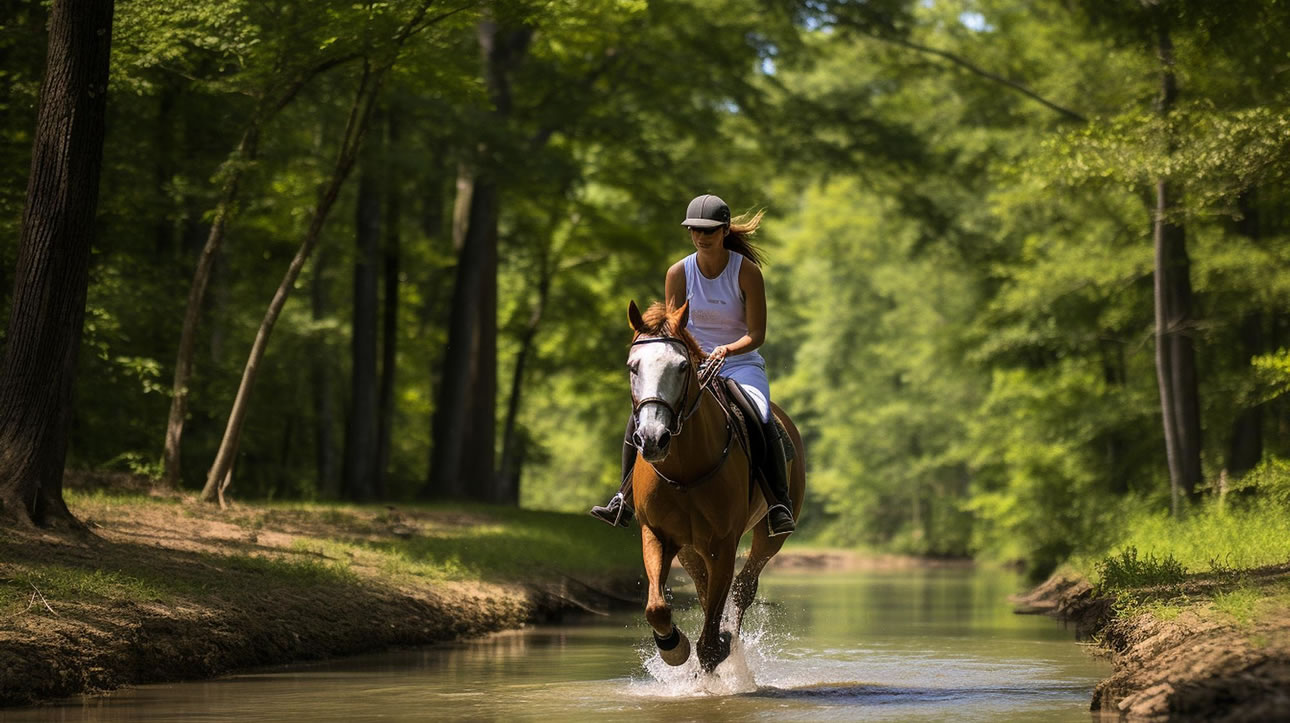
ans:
(966, 65)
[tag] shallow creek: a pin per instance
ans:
(907, 645)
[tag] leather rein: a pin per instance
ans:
(706, 373)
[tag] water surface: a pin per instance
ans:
(902, 645)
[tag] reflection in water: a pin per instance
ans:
(906, 645)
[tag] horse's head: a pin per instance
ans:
(661, 363)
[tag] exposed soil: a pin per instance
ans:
(1201, 665)
(216, 614)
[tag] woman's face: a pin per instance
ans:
(707, 238)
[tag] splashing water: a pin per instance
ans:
(753, 661)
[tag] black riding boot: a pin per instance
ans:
(618, 512)
(779, 518)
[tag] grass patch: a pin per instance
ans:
(297, 572)
(64, 584)
(101, 499)
(1239, 604)
(1165, 610)
(1128, 570)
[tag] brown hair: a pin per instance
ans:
(738, 236)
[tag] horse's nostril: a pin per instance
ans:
(664, 438)
(638, 440)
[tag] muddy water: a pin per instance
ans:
(910, 645)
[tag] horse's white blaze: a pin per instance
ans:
(660, 372)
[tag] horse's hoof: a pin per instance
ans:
(712, 660)
(675, 648)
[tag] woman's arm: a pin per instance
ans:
(674, 285)
(753, 285)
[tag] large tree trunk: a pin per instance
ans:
(361, 430)
(390, 317)
(465, 432)
(324, 408)
(218, 478)
(480, 446)
(38, 367)
(453, 410)
(1175, 351)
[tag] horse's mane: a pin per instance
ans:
(658, 322)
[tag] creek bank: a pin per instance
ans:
(168, 589)
(1180, 653)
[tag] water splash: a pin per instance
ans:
(753, 663)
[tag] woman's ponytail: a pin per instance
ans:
(738, 238)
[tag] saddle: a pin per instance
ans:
(745, 421)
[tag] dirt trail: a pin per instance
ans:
(1199, 665)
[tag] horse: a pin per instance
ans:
(691, 487)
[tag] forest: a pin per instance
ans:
(1028, 262)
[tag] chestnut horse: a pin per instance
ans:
(691, 486)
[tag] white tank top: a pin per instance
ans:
(717, 313)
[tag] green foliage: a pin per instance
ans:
(1273, 372)
(960, 275)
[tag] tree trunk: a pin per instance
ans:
(38, 367)
(163, 172)
(359, 115)
(453, 410)
(508, 474)
(390, 318)
(1175, 352)
(1114, 444)
(1245, 443)
(324, 409)
(481, 441)
(361, 430)
(465, 432)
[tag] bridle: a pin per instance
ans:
(704, 375)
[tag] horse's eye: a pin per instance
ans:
(685, 364)
(633, 367)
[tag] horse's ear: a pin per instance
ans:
(683, 316)
(634, 318)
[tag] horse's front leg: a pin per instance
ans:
(673, 646)
(714, 646)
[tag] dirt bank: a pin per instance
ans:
(170, 589)
(1208, 649)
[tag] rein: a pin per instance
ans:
(705, 374)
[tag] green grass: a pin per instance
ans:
(299, 572)
(62, 583)
(1239, 604)
(107, 499)
(1127, 571)
(491, 544)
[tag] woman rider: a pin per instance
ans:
(722, 281)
